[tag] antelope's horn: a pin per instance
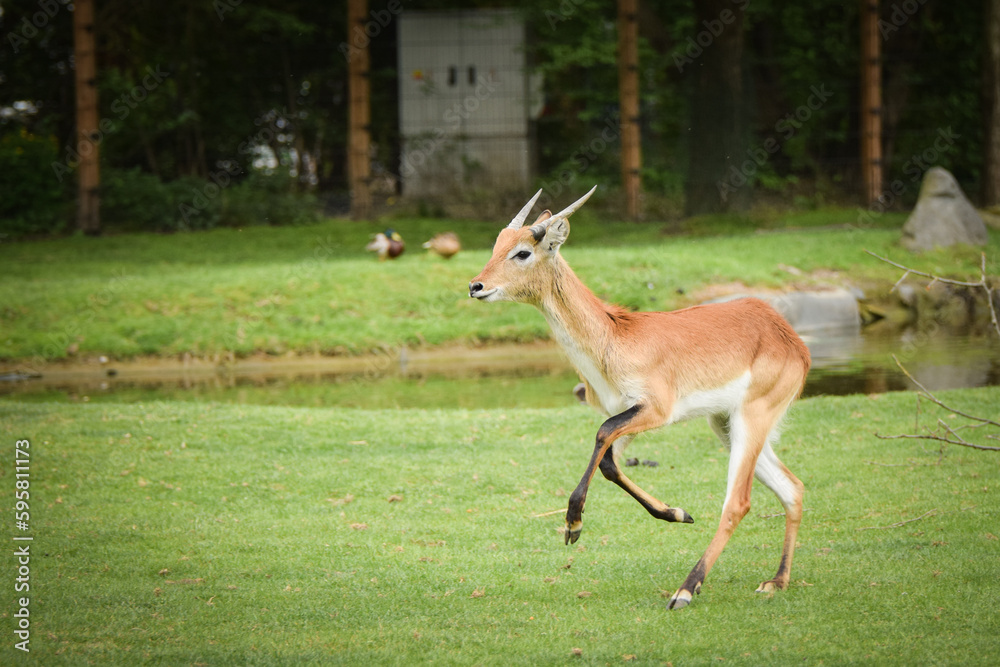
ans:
(519, 219)
(538, 231)
(571, 209)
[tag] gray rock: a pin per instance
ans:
(813, 312)
(829, 322)
(943, 216)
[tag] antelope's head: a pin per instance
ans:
(524, 258)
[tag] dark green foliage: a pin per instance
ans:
(267, 200)
(32, 200)
(133, 200)
(188, 88)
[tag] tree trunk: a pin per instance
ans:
(628, 95)
(359, 92)
(871, 103)
(87, 137)
(716, 181)
(991, 159)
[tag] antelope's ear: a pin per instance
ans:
(555, 235)
(542, 217)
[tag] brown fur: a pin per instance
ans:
(646, 369)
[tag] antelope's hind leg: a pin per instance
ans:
(775, 476)
(745, 434)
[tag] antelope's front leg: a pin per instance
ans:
(610, 431)
(574, 513)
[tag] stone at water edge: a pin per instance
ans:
(943, 215)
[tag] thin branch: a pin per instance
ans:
(939, 279)
(899, 465)
(771, 516)
(931, 436)
(933, 512)
(983, 283)
(935, 400)
(900, 281)
(538, 516)
(989, 293)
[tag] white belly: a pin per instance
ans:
(726, 399)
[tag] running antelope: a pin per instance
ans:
(738, 363)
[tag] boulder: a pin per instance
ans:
(943, 216)
(813, 313)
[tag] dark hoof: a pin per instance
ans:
(677, 515)
(680, 600)
(631, 463)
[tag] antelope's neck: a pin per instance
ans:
(581, 324)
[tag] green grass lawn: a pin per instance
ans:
(313, 289)
(186, 533)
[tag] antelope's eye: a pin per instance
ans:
(523, 255)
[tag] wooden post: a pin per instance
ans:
(86, 137)
(871, 103)
(359, 92)
(628, 95)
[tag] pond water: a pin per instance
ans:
(535, 375)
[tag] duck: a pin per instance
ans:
(388, 245)
(447, 244)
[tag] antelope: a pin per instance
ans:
(739, 363)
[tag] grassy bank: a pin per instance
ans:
(181, 533)
(314, 289)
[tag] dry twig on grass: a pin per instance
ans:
(933, 512)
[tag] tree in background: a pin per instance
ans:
(991, 93)
(204, 101)
(716, 179)
(87, 138)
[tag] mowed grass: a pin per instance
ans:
(180, 533)
(314, 290)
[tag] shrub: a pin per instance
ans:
(133, 200)
(32, 200)
(262, 199)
